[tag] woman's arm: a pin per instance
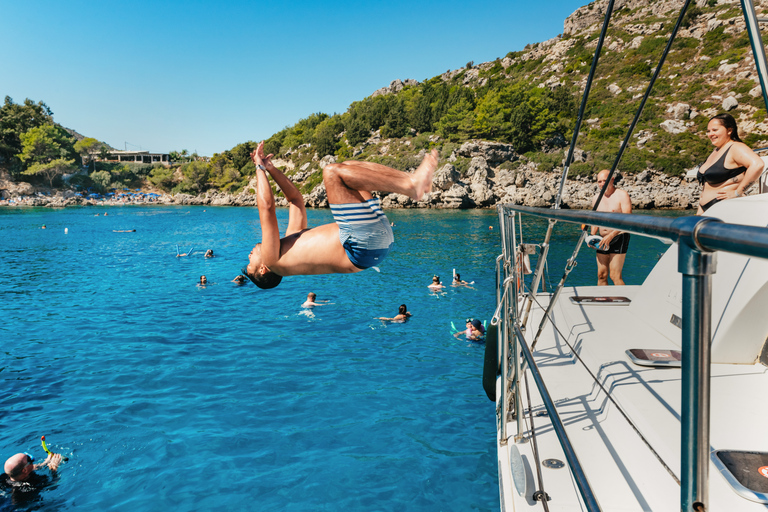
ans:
(745, 157)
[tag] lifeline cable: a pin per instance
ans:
(608, 395)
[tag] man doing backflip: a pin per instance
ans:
(361, 235)
(613, 247)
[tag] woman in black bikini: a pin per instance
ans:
(732, 166)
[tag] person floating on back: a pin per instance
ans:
(361, 235)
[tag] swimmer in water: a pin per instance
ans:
(209, 253)
(402, 315)
(436, 284)
(312, 301)
(20, 468)
(203, 282)
(239, 280)
(474, 331)
(457, 281)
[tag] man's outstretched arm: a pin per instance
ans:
(270, 233)
(297, 214)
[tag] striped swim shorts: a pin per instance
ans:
(364, 232)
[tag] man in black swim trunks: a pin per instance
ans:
(613, 247)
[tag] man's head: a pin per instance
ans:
(436, 279)
(19, 467)
(311, 297)
(258, 272)
(602, 177)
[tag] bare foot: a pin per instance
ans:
(422, 178)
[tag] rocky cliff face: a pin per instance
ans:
(488, 182)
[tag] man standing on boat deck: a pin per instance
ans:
(613, 247)
(361, 235)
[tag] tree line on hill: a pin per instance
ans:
(529, 100)
(33, 147)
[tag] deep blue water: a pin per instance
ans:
(167, 396)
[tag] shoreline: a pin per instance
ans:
(648, 190)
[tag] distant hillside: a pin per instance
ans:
(496, 123)
(529, 98)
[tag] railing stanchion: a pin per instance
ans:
(697, 267)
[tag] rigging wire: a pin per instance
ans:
(584, 98)
(632, 126)
(541, 494)
(572, 261)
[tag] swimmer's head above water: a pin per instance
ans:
(258, 273)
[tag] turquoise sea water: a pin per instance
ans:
(167, 396)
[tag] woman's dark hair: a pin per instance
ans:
(402, 309)
(729, 123)
(457, 277)
(265, 281)
(436, 278)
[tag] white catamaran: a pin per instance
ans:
(637, 397)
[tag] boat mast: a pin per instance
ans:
(756, 40)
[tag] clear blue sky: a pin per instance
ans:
(205, 76)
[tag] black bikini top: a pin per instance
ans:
(718, 173)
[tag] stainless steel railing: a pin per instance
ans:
(698, 239)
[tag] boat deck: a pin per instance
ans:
(617, 462)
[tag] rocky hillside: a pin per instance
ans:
(503, 127)
(709, 70)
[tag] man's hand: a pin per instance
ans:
(605, 243)
(259, 158)
(53, 461)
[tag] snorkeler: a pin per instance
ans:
(457, 281)
(20, 468)
(361, 235)
(436, 285)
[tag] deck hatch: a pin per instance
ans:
(657, 358)
(746, 472)
(611, 301)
